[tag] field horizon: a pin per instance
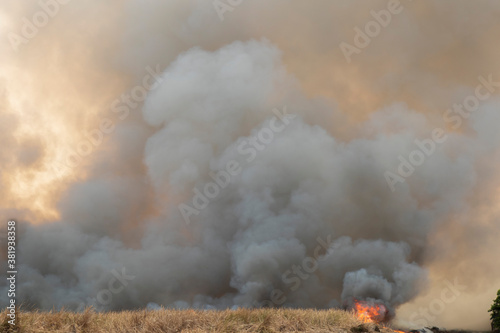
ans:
(190, 320)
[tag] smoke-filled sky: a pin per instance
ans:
(225, 153)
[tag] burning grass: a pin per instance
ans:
(241, 320)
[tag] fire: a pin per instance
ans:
(370, 313)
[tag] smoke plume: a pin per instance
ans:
(311, 214)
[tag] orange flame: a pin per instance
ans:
(368, 313)
(371, 313)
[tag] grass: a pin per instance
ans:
(241, 320)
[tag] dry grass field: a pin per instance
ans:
(241, 320)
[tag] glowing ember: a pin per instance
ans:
(370, 313)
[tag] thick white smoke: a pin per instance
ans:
(308, 218)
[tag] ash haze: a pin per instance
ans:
(214, 77)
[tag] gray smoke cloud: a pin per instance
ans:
(322, 175)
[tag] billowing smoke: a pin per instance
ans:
(261, 168)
